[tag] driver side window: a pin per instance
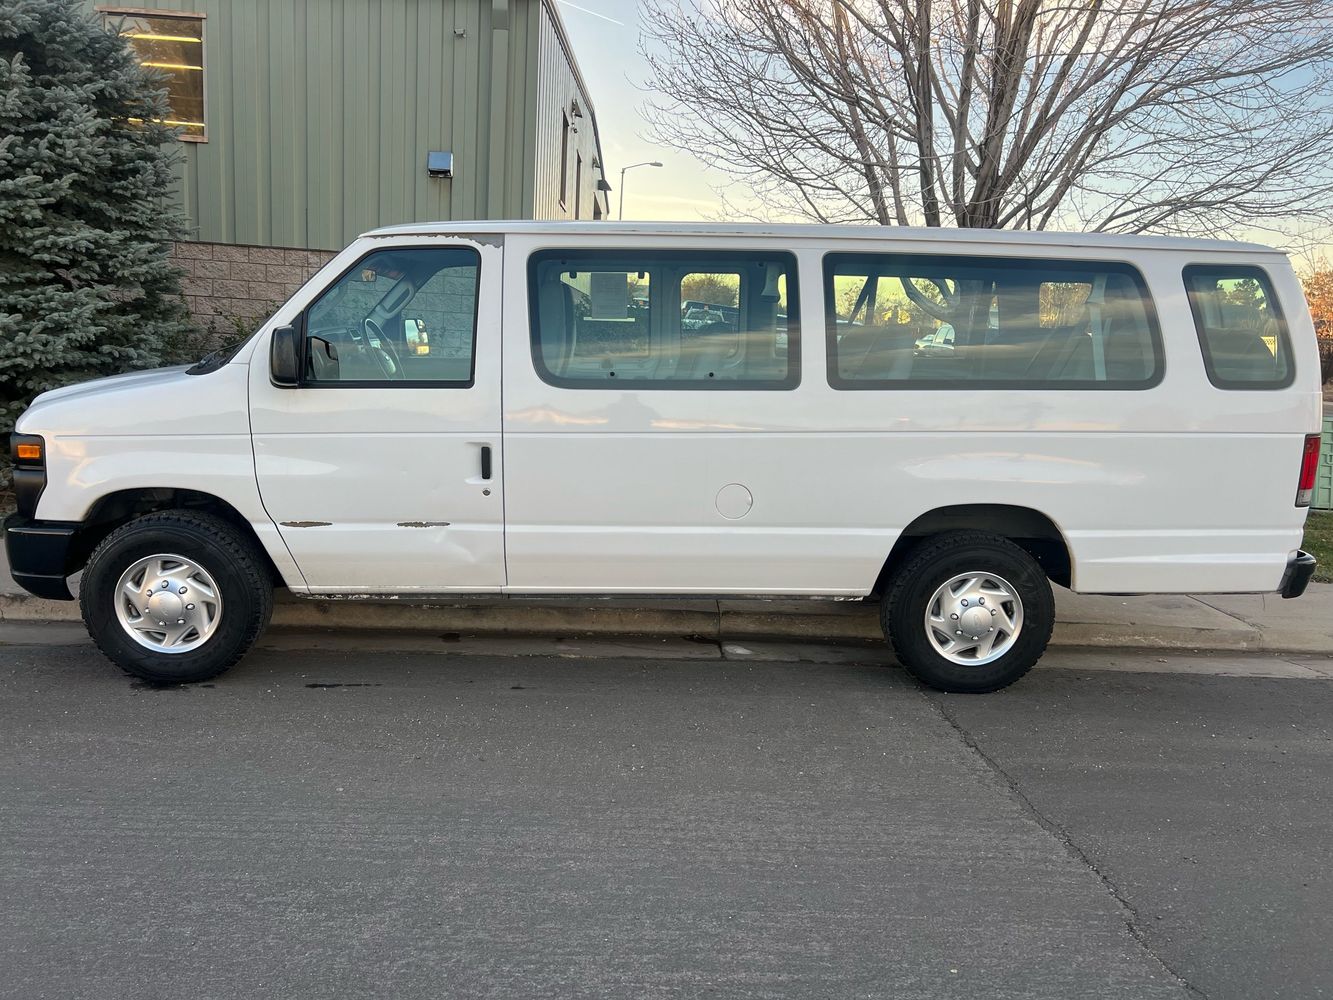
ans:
(402, 316)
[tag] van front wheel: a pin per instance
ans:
(968, 612)
(175, 597)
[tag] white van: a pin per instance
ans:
(646, 409)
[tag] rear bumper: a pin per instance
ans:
(1297, 576)
(39, 555)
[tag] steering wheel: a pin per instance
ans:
(386, 356)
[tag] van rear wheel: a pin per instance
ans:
(968, 612)
(175, 597)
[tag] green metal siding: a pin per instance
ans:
(558, 87)
(1323, 483)
(320, 114)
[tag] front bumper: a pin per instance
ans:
(1297, 576)
(39, 555)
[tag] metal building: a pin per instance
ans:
(306, 122)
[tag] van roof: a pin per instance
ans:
(799, 231)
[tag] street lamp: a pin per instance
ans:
(645, 163)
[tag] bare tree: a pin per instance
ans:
(1119, 115)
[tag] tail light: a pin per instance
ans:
(1309, 465)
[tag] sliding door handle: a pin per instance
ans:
(485, 461)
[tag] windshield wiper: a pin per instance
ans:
(214, 360)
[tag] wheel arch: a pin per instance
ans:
(1033, 531)
(112, 510)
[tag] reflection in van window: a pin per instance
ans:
(710, 301)
(1241, 330)
(407, 314)
(664, 319)
(916, 321)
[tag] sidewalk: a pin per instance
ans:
(1240, 622)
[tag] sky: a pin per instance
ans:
(605, 36)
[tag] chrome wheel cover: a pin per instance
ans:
(168, 603)
(974, 618)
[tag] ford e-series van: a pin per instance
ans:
(943, 421)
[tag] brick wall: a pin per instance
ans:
(227, 284)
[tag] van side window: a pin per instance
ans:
(664, 319)
(1241, 330)
(404, 316)
(935, 322)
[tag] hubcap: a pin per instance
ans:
(974, 618)
(168, 603)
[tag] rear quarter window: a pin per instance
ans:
(1242, 333)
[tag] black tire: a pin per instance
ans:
(230, 559)
(928, 567)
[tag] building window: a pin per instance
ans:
(173, 46)
(564, 158)
(900, 321)
(664, 319)
(578, 184)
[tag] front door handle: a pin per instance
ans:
(485, 461)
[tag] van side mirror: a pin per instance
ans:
(284, 361)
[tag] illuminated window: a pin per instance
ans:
(173, 46)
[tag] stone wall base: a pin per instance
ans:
(231, 287)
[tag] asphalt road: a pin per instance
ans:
(344, 823)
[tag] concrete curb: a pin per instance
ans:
(835, 622)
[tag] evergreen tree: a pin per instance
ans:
(86, 287)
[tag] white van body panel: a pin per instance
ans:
(378, 489)
(153, 430)
(1182, 487)
(616, 491)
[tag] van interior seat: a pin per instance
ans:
(1240, 354)
(1070, 357)
(555, 312)
(1018, 355)
(343, 360)
(323, 355)
(355, 363)
(1068, 353)
(875, 352)
(710, 350)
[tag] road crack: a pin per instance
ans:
(1230, 614)
(1131, 917)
